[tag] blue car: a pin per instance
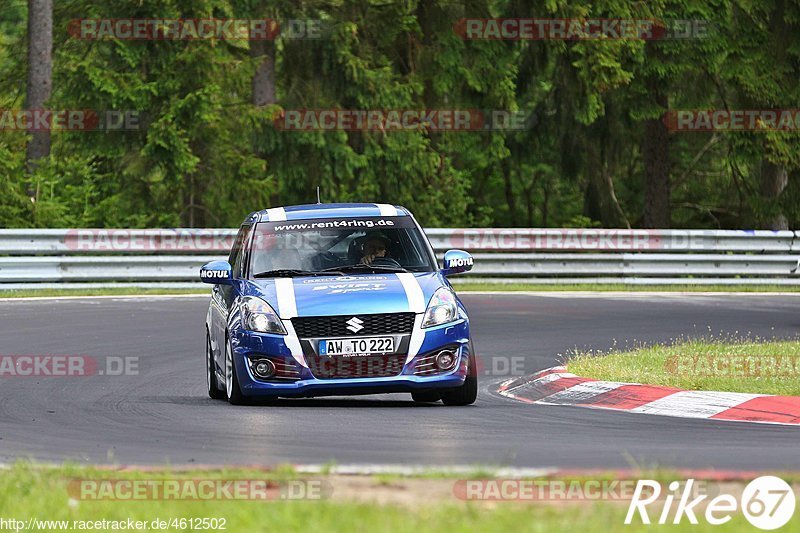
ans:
(337, 299)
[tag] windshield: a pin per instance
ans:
(344, 245)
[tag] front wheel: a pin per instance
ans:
(232, 390)
(211, 373)
(467, 393)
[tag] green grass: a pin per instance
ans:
(732, 365)
(460, 287)
(35, 492)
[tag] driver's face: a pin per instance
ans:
(375, 248)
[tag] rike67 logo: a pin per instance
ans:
(767, 502)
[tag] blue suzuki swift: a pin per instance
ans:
(337, 299)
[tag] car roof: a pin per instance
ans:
(309, 211)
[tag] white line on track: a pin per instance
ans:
(414, 470)
(348, 470)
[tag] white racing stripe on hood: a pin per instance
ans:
(287, 309)
(276, 214)
(417, 336)
(387, 210)
(416, 299)
(293, 343)
(416, 304)
(287, 306)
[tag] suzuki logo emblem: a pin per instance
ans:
(355, 324)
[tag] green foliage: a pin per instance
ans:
(204, 155)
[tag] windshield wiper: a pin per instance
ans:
(365, 267)
(289, 273)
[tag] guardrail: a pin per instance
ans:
(50, 258)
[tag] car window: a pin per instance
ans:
(237, 255)
(320, 244)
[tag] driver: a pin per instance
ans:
(374, 246)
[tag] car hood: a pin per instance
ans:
(345, 295)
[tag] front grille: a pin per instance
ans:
(336, 326)
(376, 366)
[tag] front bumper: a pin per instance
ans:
(247, 345)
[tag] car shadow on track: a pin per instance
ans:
(341, 402)
(303, 402)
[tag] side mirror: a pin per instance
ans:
(456, 262)
(216, 273)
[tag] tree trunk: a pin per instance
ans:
(426, 13)
(511, 199)
(40, 75)
(545, 206)
(774, 180)
(264, 77)
(264, 93)
(600, 198)
(655, 151)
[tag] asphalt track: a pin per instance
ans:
(162, 415)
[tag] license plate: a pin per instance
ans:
(363, 346)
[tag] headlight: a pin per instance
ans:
(441, 310)
(257, 315)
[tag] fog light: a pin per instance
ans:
(446, 360)
(264, 368)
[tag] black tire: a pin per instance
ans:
(426, 396)
(232, 390)
(214, 391)
(467, 393)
